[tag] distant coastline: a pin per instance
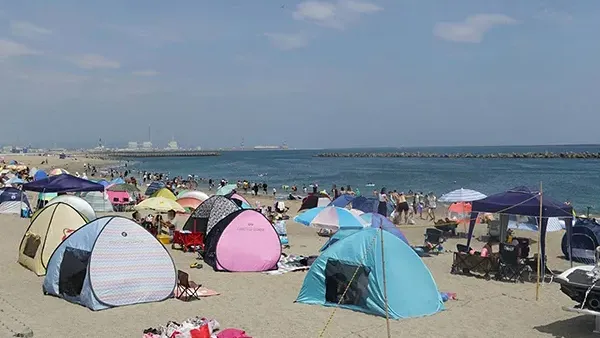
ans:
(153, 153)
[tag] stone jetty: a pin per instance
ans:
(538, 155)
(158, 153)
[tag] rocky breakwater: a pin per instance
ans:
(545, 155)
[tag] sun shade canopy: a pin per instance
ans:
(62, 183)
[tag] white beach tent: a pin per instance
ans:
(47, 229)
(111, 262)
(77, 203)
(98, 200)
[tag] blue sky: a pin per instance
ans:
(312, 73)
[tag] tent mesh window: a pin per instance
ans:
(32, 243)
(337, 277)
(73, 270)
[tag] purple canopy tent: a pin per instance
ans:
(525, 202)
(62, 183)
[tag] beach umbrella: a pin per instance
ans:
(180, 194)
(57, 171)
(460, 211)
(307, 216)
(226, 189)
(189, 203)
(335, 218)
(159, 204)
(123, 187)
(356, 212)
(461, 195)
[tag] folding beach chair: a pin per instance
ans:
(433, 239)
(466, 263)
(186, 288)
(511, 265)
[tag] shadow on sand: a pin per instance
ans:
(580, 326)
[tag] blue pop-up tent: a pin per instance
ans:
(350, 275)
(526, 202)
(62, 183)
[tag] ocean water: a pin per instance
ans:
(562, 179)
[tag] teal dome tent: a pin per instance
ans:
(357, 261)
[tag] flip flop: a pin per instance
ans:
(196, 265)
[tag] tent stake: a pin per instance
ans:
(537, 284)
(387, 309)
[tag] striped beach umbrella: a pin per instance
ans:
(332, 218)
(57, 171)
(461, 195)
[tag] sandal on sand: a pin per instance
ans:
(196, 265)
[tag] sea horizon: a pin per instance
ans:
(575, 180)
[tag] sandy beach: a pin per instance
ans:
(263, 305)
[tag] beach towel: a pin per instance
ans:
(291, 263)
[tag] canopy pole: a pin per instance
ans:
(385, 296)
(537, 284)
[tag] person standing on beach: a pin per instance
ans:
(383, 199)
(431, 201)
(402, 207)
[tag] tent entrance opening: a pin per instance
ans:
(73, 270)
(338, 275)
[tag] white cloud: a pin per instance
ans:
(287, 41)
(27, 29)
(333, 14)
(94, 61)
(10, 48)
(148, 73)
(473, 29)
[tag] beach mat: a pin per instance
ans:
(289, 264)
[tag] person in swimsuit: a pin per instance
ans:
(402, 206)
